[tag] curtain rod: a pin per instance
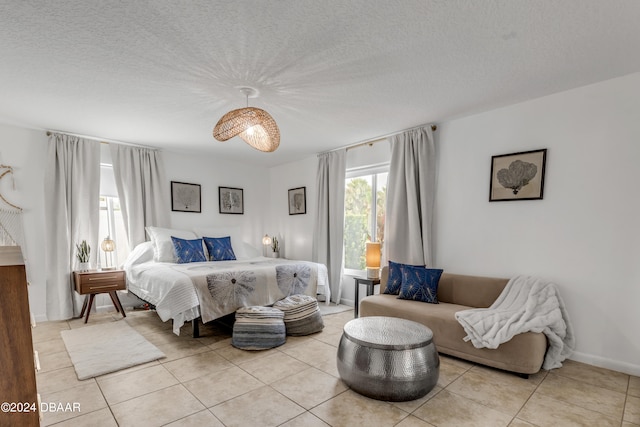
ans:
(102, 140)
(372, 141)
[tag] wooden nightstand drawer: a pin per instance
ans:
(99, 281)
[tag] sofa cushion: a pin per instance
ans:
(420, 284)
(471, 291)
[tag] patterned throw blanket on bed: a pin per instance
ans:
(222, 289)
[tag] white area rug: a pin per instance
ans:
(332, 308)
(107, 347)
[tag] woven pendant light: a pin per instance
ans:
(255, 126)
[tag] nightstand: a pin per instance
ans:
(363, 281)
(90, 283)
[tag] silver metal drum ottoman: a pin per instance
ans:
(387, 358)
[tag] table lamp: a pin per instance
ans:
(108, 246)
(373, 260)
(266, 242)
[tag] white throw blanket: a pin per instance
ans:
(527, 304)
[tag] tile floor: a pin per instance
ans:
(207, 382)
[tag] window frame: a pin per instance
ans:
(373, 171)
(108, 192)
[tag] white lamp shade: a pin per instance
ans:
(266, 240)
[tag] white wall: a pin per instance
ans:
(212, 173)
(295, 231)
(584, 235)
(25, 150)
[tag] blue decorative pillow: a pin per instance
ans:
(188, 250)
(395, 279)
(220, 248)
(420, 284)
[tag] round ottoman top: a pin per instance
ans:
(389, 333)
(259, 312)
(294, 302)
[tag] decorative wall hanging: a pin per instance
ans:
(517, 176)
(11, 224)
(185, 197)
(231, 200)
(298, 201)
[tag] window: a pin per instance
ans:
(112, 225)
(364, 208)
(111, 222)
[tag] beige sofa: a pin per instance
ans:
(523, 354)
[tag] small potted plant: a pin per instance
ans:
(275, 247)
(83, 250)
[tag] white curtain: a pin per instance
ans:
(142, 189)
(329, 226)
(410, 197)
(72, 191)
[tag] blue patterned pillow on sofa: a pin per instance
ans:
(420, 284)
(220, 248)
(394, 281)
(188, 250)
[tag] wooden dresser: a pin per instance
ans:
(18, 394)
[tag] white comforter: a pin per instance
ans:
(526, 304)
(172, 287)
(222, 289)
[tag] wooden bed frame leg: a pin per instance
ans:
(195, 326)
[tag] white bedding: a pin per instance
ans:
(170, 287)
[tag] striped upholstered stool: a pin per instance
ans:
(301, 315)
(258, 328)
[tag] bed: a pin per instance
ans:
(210, 290)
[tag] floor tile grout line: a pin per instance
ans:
(561, 374)
(535, 390)
(590, 385)
(107, 402)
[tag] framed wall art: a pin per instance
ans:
(517, 176)
(231, 200)
(185, 197)
(298, 201)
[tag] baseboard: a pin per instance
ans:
(347, 302)
(105, 308)
(40, 318)
(127, 302)
(614, 365)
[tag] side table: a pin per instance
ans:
(90, 283)
(363, 281)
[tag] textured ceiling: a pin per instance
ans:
(331, 73)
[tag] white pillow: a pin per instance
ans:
(237, 243)
(140, 254)
(163, 246)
